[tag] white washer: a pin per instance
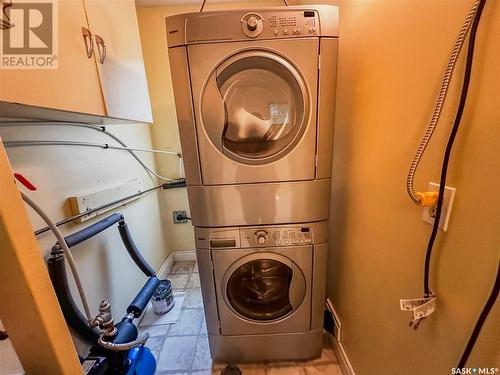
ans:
(263, 290)
(255, 98)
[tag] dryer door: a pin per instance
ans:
(255, 110)
(255, 107)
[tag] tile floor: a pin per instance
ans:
(182, 348)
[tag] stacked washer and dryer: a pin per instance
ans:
(255, 96)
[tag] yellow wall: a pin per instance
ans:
(392, 56)
(391, 60)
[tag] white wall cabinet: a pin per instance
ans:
(119, 59)
(110, 81)
(74, 86)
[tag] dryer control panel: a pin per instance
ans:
(280, 24)
(253, 24)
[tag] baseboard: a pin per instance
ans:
(184, 255)
(338, 347)
(175, 256)
(166, 266)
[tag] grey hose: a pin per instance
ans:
(440, 102)
(64, 247)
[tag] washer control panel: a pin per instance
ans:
(303, 23)
(277, 236)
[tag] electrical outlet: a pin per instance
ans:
(180, 217)
(429, 213)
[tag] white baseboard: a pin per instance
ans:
(184, 255)
(175, 256)
(336, 341)
(166, 266)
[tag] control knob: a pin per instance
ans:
(252, 23)
(261, 239)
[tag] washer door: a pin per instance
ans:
(255, 107)
(264, 287)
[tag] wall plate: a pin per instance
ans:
(182, 214)
(428, 213)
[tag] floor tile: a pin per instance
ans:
(285, 371)
(202, 358)
(203, 329)
(327, 356)
(189, 323)
(332, 369)
(155, 344)
(155, 331)
(193, 299)
(182, 267)
(194, 281)
(177, 353)
(178, 280)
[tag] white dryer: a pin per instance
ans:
(255, 98)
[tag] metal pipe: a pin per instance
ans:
(100, 129)
(126, 346)
(85, 144)
(168, 185)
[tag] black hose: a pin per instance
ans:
(72, 315)
(480, 322)
(142, 298)
(133, 251)
(449, 146)
(90, 231)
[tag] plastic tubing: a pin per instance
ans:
(64, 247)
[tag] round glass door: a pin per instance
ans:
(265, 107)
(261, 289)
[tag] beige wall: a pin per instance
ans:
(164, 131)
(392, 56)
(59, 172)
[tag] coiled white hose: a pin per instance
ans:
(440, 102)
(64, 247)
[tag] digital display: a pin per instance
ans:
(308, 13)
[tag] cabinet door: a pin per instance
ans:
(122, 74)
(74, 85)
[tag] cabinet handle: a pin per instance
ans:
(89, 41)
(101, 47)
